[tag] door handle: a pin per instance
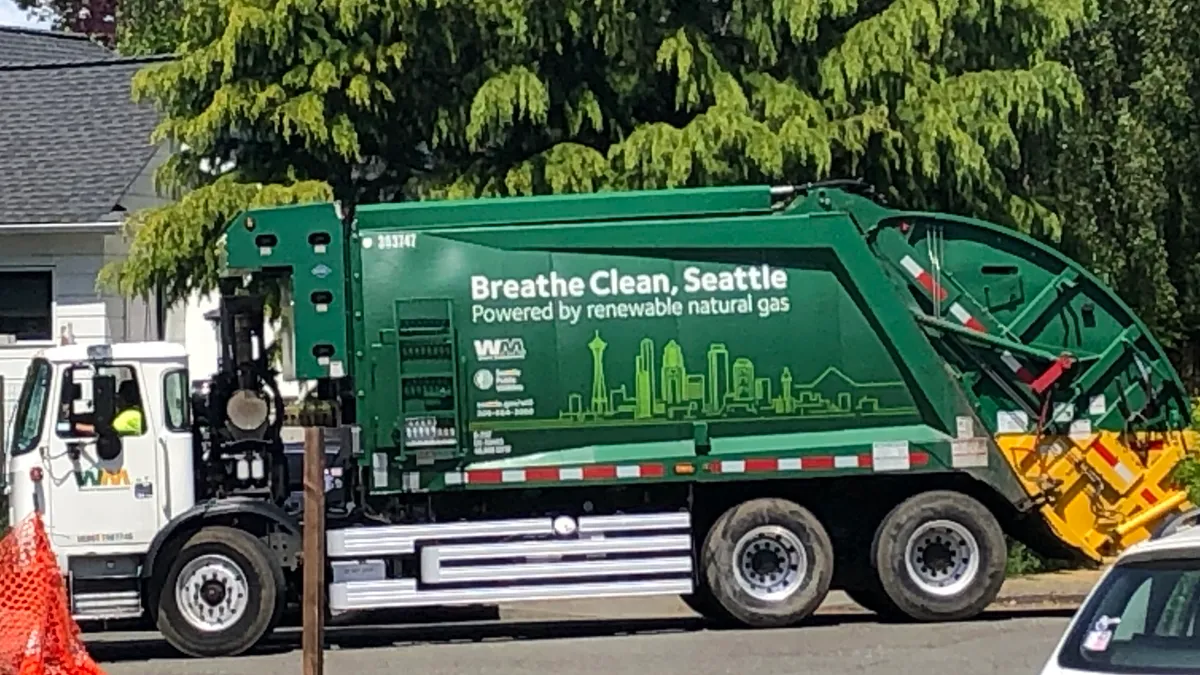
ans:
(165, 485)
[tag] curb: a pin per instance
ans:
(518, 612)
(1040, 599)
(1023, 601)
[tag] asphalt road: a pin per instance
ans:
(997, 643)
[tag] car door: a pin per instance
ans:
(102, 505)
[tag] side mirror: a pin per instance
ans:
(104, 397)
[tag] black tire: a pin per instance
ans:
(985, 550)
(703, 605)
(876, 601)
(264, 596)
(721, 553)
(702, 602)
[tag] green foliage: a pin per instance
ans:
(177, 247)
(1022, 561)
(1187, 475)
(938, 100)
(146, 27)
(1125, 174)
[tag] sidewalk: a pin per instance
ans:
(1061, 589)
(1053, 588)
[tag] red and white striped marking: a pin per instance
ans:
(1015, 366)
(964, 317)
(1110, 459)
(555, 474)
(923, 278)
(774, 464)
(812, 463)
(937, 291)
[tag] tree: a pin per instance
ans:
(95, 18)
(1125, 176)
(401, 99)
(132, 27)
(148, 27)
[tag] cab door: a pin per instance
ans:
(102, 505)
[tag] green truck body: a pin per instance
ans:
(712, 347)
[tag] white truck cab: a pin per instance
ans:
(104, 495)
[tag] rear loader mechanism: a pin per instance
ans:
(1078, 396)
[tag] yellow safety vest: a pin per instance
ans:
(128, 422)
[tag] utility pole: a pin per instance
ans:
(313, 607)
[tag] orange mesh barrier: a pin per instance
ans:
(37, 634)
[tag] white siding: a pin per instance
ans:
(79, 309)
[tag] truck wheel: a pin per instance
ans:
(940, 556)
(222, 594)
(769, 562)
(702, 602)
(874, 600)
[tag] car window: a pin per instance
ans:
(175, 400)
(76, 387)
(27, 430)
(1143, 618)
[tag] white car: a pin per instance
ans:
(1143, 616)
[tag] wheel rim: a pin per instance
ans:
(211, 593)
(942, 557)
(770, 562)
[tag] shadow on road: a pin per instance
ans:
(375, 636)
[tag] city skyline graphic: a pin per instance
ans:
(724, 387)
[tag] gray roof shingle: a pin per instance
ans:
(71, 139)
(27, 46)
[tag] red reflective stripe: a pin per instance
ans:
(974, 324)
(1104, 453)
(760, 464)
(599, 472)
(651, 470)
(542, 473)
(932, 286)
(485, 476)
(918, 458)
(817, 463)
(1149, 496)
(1061, 365)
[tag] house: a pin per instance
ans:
(75, 157)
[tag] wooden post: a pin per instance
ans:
(314, 551)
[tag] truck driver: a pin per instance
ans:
(128, 420)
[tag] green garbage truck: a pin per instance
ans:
(745, 396)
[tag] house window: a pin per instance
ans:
(26, 304)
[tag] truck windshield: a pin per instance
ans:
(31, 408)
(1142, 619)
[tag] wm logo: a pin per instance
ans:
(500, 349)
(101, 478)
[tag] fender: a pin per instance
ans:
(217, 509)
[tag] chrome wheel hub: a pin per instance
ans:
(942, 557)
(770, 562)
(211, 593)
